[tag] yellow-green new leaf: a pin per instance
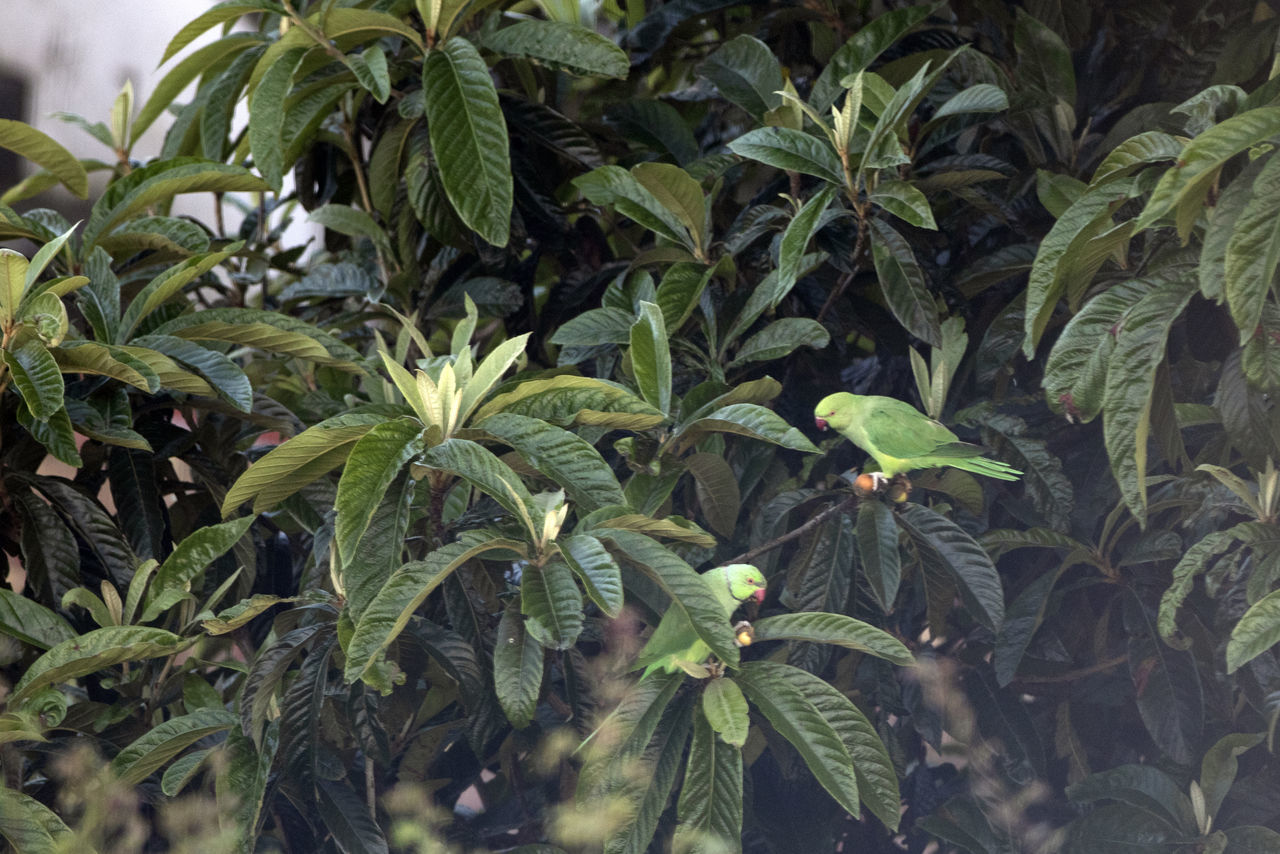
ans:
(41, 149)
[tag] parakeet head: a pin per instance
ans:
(745, 582)
(834, 410)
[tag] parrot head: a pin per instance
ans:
(834, 410)
(745, 582)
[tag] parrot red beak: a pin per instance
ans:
(758, 596)
(821, 422)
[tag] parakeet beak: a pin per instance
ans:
(758, 596)
(821, 422)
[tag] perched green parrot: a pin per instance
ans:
(901, 438)
(674, 641)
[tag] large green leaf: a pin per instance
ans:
(561, 45)
(621, 190)
(478, 466)
(228, 10)
(267, 115)
(710, 805)
(517, 668)
(241, 784)
(42, 150)
(768, 294)
(751, 420)
(1189, 181)
(168, 284)
(681, 194)
(651, 357)
(1253, 251)
(188, 559)
(861, 50)
(678, 294)
(551, 603)
(747, 73)
(798, 720)
(1257, 631)
(406, 589)
(903, 283)
(37, 378)
(373, 463)
(1151, 146)
(32, 828)
(14, 268)
(562, 456)
(726, 710)
(469, 138)
(835, 629)
(161, 743)
(570, 400)
(353, 222)
(716, 487)
(686, 588)
(654, 775)
(780, 338)
(90, 357)
(878, 551)
(264, 330)
(803, 226)
(93, 651)
(792, 151)
(597, 570)
(944, 546)
(1143, 786)
(223, 375)
(31, 622)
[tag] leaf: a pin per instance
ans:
(1151, 146)
(678, 192)
(1200, 161)
(751, 420)
(717, 490)
(1257, 631)
(979, 98)
(678, 293)
(222, 374)
(861, 50)
(469, 138)
(791, 151)
(182, 770)
(31, 622)
(370, 68)
(905, 202)
(135, 489)
(30, 826)
(552, 604)
(561, 45)
(656, 125)
(834, 629)
(229, 10)
(768, 294)
(188, 559)
(41, 149)
(781, 338)
(945, 547)
(37, 378)
(570, 400)
(264, 330)
(596, 568)
(1170, 698)
(726, 710)
(1044, 59)
(1253, 252)
(903, 283)
(93, 651)
(559, 455)
(90, 357)
(651, 357)
(1021, 621)
(241, 784)
(1130, 387)
(1118, 829)
(517, 669)
(162, 742)
(687, 589)
(373, 463)
(878, 551)
(710, 805)
(747, 73)
(803, 226)
(353, 223)
(597, 326)
(159, 182)
(798, 721)
(347, 817)
(242, 613)
(406, 589)
(619, 189)
(479, 467)
(1218, 768)
(14, 269)
(653, 774)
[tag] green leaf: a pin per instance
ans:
(563, 457)
(798, 721)
(222, 374)
(1200, 161)
(1257, 631)
(41, 259)
(373, 463)
(90, 357)
(267, 114)
(353, 223)
(1044, 60)
(803, 226)
(37, 378)
(979, 98)
(944, 546)
(1151, 146)
(861, 50)
(41, 149)
(726, 710)
(1253, 251)
(791, 151)
(570, 400)
(93, 651)
(264, 330)
(599, 326)
(31, 622)
(161, 743)
(768, 294)
(903, 283)
(32, 828)
(14, 268)
(597, 570)
(469, 138)
(188, 559)
(1142, 786)
(1219, 767)
(159, 182)
(488, 373)
(1131, 384)
(182, 770)
(621, 190)
(780, 338)
(710, 805)
(1021, 621)
(229, 10)
(347, 817)
(905, 202)
(677, 295)
(1120, 829)
(241, 784)
(817, 627)
(551, 604)
(687, 589)
(370, 68)
(517, 668)
(751, 420)
(651, 357)
(678, 192)
(747, 73)
(168, 285)
(716, 487)
(647, 780)
(878, 551)
(406, 589)
(242, 612)
(479, 467)
(561, 45)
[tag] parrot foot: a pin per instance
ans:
(744, 634)
(899, 488)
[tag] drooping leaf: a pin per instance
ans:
(1257, 631)
(561, 45)
(93, 651)
(596, 569)
(36, 377)
(944, 546)
(153, 750)
(347, 817)
(747, 73)
(552, 604)
(838, 629)
(791, 150)
(751, 420)
(41, 149)
(188, 559)
(903, 283)
(517, 668)
(373, 463)
(1253, 251)
(478, 466)
(31, 622)
(878, 551)
(710, 805)
(726, 710)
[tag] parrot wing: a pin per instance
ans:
(673, 638)
(899, 430)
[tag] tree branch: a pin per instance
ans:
(833, 510)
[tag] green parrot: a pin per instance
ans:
(675, 642)
(901, 438)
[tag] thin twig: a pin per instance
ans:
(1077, 674)
(844, 281)
(848, 503)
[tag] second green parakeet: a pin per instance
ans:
(675, 642)
(900, 438)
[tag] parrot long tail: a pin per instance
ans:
(988, 467)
